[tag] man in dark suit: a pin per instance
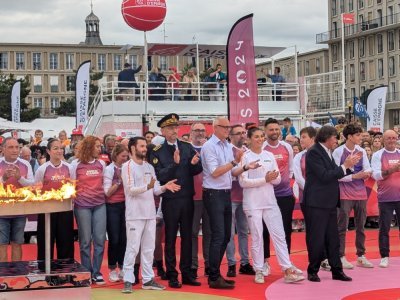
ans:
(321, 199)
(175, 159)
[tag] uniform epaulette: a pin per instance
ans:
(157, 147)
(184, 141)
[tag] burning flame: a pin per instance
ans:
(24, 194)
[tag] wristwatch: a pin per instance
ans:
(244, 168)
(234, 164)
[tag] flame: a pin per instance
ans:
(10, 194)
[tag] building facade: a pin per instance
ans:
(372, 49)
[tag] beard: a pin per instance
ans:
(140, 156)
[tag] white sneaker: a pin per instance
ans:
(297, 270)
(384, 262)
(113, 276)
(266, 270)
(325, 265)
(363, 262)
(291, 276)
(345, 263)
(259, 277)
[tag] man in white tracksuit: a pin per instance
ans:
(140, 186)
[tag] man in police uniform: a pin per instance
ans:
(175, 159)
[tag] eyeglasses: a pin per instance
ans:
(225, 127)
(199, 130)
(239, 133)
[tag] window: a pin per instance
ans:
(53, 61)
(362, 90)
(54, 103)
(149, 62)
(37, 102)
(70, 83)
(392, 91)
(117, 62)
(317, 66)
(69, 61)
(37, 61)
(133, 60)
(37, 84)
(361, 47)
(378, 1)
(54, 84)
(341, 4)
(334, 8)
(395, 116)
(352, 73)
(335, 30)
(20, 61)
(352, 93)
(3, 60)
(163, 63)
(371, 45)
(360, 4)
(390, 17)
(307, 68)
(351, 49)
(380, 68)
(379, 42)
(390, 40)
(193, 62)
(334, 53)
(371, 70)
(370, 3)
(207, 63)
(392, 66)
(362, 71)
(351, 5)
(101, 62)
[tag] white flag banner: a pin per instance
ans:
(376, 102)
(82, 85)
(16, 102)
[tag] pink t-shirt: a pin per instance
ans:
(52, 177)
(89, 183)
(112, 175)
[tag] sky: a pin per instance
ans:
(282, 23)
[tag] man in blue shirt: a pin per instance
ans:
(288, 128)
(276, 78)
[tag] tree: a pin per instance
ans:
(68, 108)
(6, 83)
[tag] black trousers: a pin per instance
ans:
(116, 231)
(286, 205)
(322, 234)
(178, 214)
(219, 208)
(61, 234)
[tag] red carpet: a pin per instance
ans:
(245, 286)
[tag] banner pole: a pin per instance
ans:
(343, 70)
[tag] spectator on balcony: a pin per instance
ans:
(126, 80)
(220, 78)
(288, 128)
(174, 79)
(190, 80)
(276, 79)
(157, 85)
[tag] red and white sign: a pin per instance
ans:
(348, 18)
(242, 80)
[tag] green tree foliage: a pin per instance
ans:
(6, 83)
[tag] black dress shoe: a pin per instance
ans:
(341, 276)
(246, 269)
(313, 277)
(231, 282)
(206, 271)
(174, 283)
(231, 271)
(190, 281)
(220, 283)
(193, 272)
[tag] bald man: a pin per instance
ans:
(386, 171)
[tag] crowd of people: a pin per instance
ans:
(239, 179)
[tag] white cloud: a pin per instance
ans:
(276, 22)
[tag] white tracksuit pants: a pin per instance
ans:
(273, 219)
(140, 233)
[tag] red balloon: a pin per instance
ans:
(144, 15)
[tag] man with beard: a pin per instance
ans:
(140, 186)
(175, 159)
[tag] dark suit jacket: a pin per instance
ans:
(322, 187)
(162, 158)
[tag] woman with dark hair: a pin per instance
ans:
(90, 208)
(260, 204)
(115, 205)
(52, 175)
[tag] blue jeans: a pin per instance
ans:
(91, 225)
(116, 230)
(240, 222)
(12, 230)
(219, 209)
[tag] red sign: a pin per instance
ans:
(348, 18)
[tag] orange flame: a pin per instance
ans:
(9, 194)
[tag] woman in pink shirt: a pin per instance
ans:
(115, 204)
(90, 205)
(52, 175)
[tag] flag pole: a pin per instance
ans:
(343, 70)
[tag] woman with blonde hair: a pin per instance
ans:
(89, 205)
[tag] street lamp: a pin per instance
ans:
(350, 106)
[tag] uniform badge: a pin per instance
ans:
(155, 160)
